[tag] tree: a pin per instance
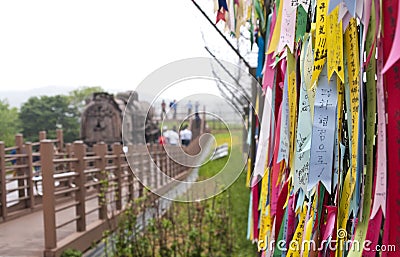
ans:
(49, 113)
(79, 96)
(9, 123)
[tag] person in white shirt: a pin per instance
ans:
(171, 136)
(186, 136)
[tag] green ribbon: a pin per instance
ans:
(278, 248)
(301, 23)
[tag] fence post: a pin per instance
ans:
(117, 150)
(19, 142)
(179, 161)
(100, 150)
(161, 165)
(141, 174)
(3, 183)
(181, 167)
(164, 165)
(80, 195)
(203, 121)
(151, 173)
(168, 163)
(68, 149)
(49, 216)
(157, 166)
(172, 163)
(42, 135)
(60, 140)
(132, 178)
(186, 158)
(176, 162)
(29, 159)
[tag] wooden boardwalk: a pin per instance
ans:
(24, 236)
(80, 191)
(80, 195)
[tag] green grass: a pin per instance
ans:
(239, 195)
(240, 203)
(222, 138)
(211, 168)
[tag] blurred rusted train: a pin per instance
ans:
(102, 119)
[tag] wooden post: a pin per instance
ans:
(100, 150)
(157, 162)
(164, 166)
(186, 158)
(42, 135)
(141, 173)
(169, 165)
(28, 148)
(174, 164)
(149, 174)
(49, 215)
(70, 165)
(179, 161)
(3, 192)
(80, 153)
(161, 158)
(177, 157)
(68, 148)
(60, 140)
(203, 121)
(131, 177)
(19, 142)
(117, 150)
(152, 173)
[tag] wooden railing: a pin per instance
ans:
(18, 167)
(103, 184)
(81, 191)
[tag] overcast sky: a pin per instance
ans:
(112, 44)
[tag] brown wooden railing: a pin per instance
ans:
(81, 191)
(18, 165)
(102, 184)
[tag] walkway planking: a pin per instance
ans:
(24, 236)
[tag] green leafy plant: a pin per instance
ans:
(71, 253)
(215, 227)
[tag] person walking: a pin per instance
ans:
(163, 111)
(196, 106)
(173, 106)
(171, 136)
(189, 106)
(195, 125)
(186, 135)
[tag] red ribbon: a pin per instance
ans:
(254, 191)
(280, 211)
